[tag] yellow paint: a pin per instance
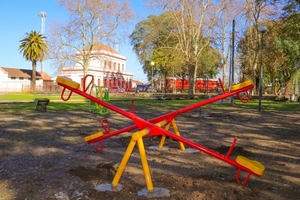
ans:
(163, 138)
(123, 162)
(139, 134)
(253, 165)
(181, 145)
(145, 165)
(241, 85)
(162, 123)
(162, 141)
(135, 136)
(66, 81)
(90, 137)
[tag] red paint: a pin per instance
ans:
(154, 130)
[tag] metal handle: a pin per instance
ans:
(62, 95)
(242, 100)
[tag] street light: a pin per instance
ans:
(43, 16)
(152, 64)
(262, 29)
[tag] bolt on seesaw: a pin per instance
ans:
(153, 127)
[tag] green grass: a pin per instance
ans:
(79, 103)
(30, 97)
(270, 105)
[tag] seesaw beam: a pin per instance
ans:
(141, 123)
(242, 164)
(170, 116)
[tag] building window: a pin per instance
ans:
(122, 67)
(115, 66)
(118, 67)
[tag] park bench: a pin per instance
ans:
(41, 103)
(158, 96)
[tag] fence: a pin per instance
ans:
(9, 88)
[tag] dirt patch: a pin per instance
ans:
(44, 156)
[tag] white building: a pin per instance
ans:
(18, 80)
(106, 65)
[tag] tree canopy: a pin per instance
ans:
(281, 51)
(33, 48)
(90, 22)
(156, 40)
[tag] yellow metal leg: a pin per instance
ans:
(181, 145)
(124, 162)
(135, 136)
(163, 138)
(145, 164)
(168, 126)
(162, 141)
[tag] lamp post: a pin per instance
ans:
(43, 16)
(152, 64)
(262, 29)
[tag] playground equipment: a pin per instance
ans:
(102, 93)
(153, 127)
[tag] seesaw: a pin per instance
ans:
(153, 127)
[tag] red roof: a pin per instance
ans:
(24, 73)
(46, 77)
(100, 46)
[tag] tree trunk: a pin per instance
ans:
(224, 73)
(33, 76)
(288, 86)
(192, 76)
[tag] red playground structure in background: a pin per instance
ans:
(154, 127)
(201, 84)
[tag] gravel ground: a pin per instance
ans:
(44, 155)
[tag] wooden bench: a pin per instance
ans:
(41, 103)
(158, 96)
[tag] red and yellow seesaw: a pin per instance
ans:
(153, 127)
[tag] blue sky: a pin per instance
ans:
(21, 16)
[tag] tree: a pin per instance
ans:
(195, 25)
(223, 37)
(34, 48)
(155, 39)
(90, 22)
(152, 42)
(255, 13)
(291, 6)
(281, 51)
(289, 45)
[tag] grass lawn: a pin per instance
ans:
(270, 105)
(30, 97)
(80, 103)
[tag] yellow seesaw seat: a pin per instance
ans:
(241, 85)
(253, 165)
(67, 81)
(90, 137)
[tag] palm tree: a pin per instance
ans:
(34, 48)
